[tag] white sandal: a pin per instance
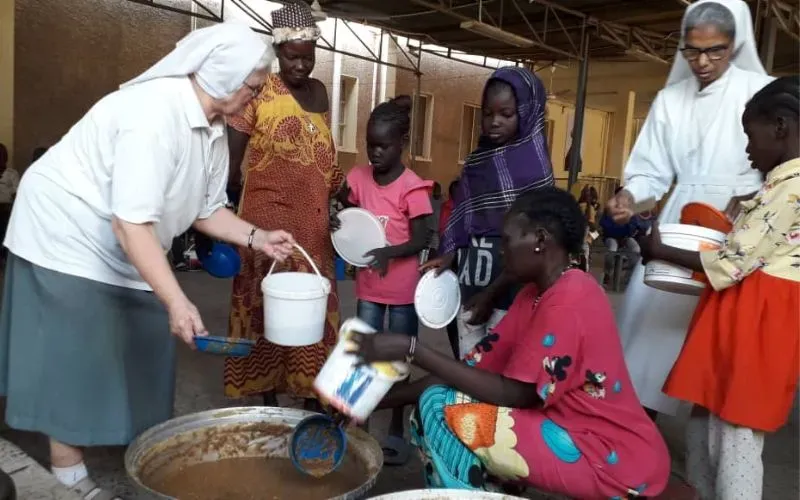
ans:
(89, 490)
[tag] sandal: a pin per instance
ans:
(89, 490)
(395, 450)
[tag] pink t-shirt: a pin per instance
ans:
(395, 205)
(568, 346)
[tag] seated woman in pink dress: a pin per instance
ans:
(545, 399)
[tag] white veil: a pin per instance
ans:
(745, 53)
(220, 57)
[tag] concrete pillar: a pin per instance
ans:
(769, 38)
(7, 77)
(336, 99)
(388, 80)
(621, 131)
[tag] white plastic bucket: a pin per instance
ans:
(355, 390)
(676, 279)
(444, 495)
(295, 306)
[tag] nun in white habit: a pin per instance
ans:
(90, 300)
(693, 136)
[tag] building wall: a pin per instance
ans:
(70, 54)
(7, 76)
(451, 85)
(454, 84)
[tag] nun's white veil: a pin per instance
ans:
(745, 53)
(220, 56)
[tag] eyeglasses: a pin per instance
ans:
(254, 90)
(714, 53)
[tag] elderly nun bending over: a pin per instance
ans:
(86, 355)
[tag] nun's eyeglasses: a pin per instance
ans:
(714, 53)
(253, 90)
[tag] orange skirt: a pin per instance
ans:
(740, 358)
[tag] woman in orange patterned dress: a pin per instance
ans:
(289, 180)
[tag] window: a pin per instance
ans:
(348, 113)
(470, 130)
(423, 121)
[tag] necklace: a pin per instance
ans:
(305, 89)
(309, 124)
(541, 294)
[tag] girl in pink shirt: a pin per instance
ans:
(401, 201)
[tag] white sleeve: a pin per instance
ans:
(649, 172)
(142, 171)
(218, 180)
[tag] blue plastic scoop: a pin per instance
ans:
(317, 446)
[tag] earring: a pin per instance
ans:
(537, 250)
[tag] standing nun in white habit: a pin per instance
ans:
(693, 136)
(91, 307)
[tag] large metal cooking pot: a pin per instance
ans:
(234, 433)
(7, 489)
(445, 495)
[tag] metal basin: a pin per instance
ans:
(445, 495)
(234, 433)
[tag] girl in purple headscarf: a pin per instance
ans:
(511, 159)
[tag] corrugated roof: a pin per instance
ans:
(623, 29)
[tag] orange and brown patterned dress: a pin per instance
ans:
(289, 179)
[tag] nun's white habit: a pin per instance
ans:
(694, 139)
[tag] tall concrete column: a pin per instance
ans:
(336, 99)
(769, 38)
(7, 77)
(621, 131)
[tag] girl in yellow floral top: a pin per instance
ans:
(739, 364)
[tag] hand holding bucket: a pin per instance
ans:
(295, 305)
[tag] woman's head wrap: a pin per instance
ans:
(294, 22)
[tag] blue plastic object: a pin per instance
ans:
(227, 346)
(341, 269)
(317, 446)
(222, 262)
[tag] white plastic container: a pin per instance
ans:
(295, 306)
(676, 279)
(444, 495)
(356, 390)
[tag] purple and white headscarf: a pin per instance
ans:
(493, 177)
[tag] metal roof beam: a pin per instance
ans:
(635, 41)
(787, 17)
(443, 9)
(209, 15)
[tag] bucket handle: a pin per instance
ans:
(308, 258)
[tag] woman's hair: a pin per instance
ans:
(711, 13)
(779, 99)
(556, 211)
(396, 112)
(452, 187)
(494, 86)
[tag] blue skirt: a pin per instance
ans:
(83, 362)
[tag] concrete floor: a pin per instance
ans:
(199, 387)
